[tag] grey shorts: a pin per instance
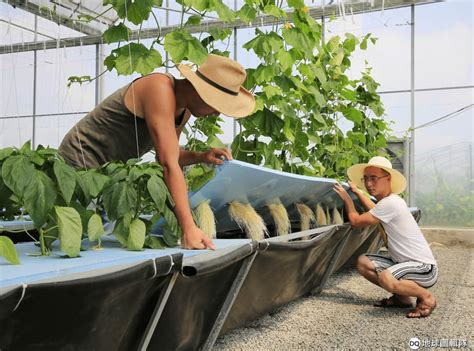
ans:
(426, 275)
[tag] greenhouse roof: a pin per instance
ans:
(89, 19)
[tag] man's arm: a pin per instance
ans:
(355, 218)
(212, 156)
(366, 202)
(159, 116)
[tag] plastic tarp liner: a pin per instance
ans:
(358, 240)
(100, 312)
(282, 272)
(197, 298)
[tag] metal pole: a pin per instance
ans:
(235, 58)
(229, 301)
(411, 179)
(160, 306)
(97, 72)
(35, 63)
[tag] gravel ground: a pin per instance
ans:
(342, 316)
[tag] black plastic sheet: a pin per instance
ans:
(105, 312)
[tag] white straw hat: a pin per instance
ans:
(218, 81)
(356, 172)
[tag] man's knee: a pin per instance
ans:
(364, 265)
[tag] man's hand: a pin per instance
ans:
(214, 156)
(354, 188)
(196, 239)
(342, 192)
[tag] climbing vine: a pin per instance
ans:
(311, 117)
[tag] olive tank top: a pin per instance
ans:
(110, 132)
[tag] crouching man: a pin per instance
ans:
(409, 269)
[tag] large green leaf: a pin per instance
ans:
(66, 178)
(136, 239)
(267, 122)
(8, 250)
(135, 57)
(182, 45)
(296, 38)
(119, 199)
(157, 189)
(17, 172)
(135, 11)
(247, 14)
(4, 153)
(40, 196)
(70, 230)
(95, 182)
(119, 32)
(95, 227)
(353, 115)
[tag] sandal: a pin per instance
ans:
(392, 302)
(421, 311)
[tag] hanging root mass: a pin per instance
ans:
(205, 219)
(306, 217)
(320, 216)
(336, 217)
(248, 219)
(280, 217)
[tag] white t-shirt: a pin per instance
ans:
(405, 239)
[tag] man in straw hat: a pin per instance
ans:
(150, 113)
(410, 268)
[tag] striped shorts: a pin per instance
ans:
(423, 274)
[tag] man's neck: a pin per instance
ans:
(383, 195)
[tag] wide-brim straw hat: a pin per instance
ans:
(218, 81)
(356, 172)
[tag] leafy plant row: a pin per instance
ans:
(67, 204)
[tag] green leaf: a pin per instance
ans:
(95, 182)
(297, 4)
(157, 189)
(353, 115)
(193, 20)
(119, 199)
(274, 11)
(16, 173)
(181, 45)
(247, 14)
(40, 196)
(26, 147)
(70, 230)
(267, 122)
(136, 57)
(136, 239)
(8, 250)
(336, 60)
(6, 152)
(214, 141)
(95, 227)
(285, 59)
(220, 33)
(296, 38)
(135, 11)
(223, 11)
(66, 178)
(154, 242)
(122, 229)
(116, 33)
